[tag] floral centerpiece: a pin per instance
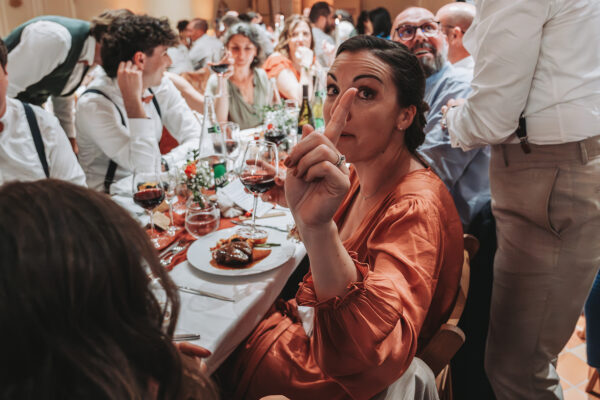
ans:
(197, 176)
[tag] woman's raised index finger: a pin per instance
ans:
(336, 124)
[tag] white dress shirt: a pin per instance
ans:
(44, 45)
(202, 50)
(102, 137)
(465, 65)
(180, 57)
(537, 56)
(19, 159)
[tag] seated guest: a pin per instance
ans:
(455, 19)
(364, 26)
(293, 57)
(32, 143)
(49, 57)
(79, 314)
(465, 173)
(180, 53)
(247, 89)
(381, 22)
(120, 116)
(383, 238)
(322, 19)
(203, 44)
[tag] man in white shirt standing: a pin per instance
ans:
(203, 45)
(456, 18)
(121, 115)
(32, 144)
(538, 59)
(50, 55)
(322, 18)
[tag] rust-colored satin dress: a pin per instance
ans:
(409, 254)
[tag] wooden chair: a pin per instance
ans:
(449, 337)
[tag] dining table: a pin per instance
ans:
(223, 323)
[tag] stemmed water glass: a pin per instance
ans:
(231, 137)
(148, 192)
(170, 180)
(260, 165)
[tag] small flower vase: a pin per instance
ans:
(201, 217)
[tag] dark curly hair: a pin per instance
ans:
(129, 34)
(407, 74)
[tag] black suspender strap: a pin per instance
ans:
(112, 166)
(37, 137)
(109, 178)
(521, 133)
(155, 102)
(101, 93)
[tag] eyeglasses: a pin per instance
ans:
(408, 32)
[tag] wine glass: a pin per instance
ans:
(148, 192)
(170, 180)
(231, 137)
(219, 64)
(257, 173)
(201, 219)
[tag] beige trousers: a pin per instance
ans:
(547, 210)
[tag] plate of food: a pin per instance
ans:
(227, 254)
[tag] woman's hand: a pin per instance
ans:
(305, 56)
(227, 59)
(315, 184)
(194, 351)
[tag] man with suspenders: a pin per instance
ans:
(119, 119)
(49, 57)
(32, 143)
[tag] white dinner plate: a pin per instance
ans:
(199, 254)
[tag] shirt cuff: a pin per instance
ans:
(455, 140)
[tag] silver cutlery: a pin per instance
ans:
(173, 251)
(204, 293)
(184, 337)
(260, 226)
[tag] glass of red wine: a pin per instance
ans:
(220, 65)
(148, 193)
(259, 167)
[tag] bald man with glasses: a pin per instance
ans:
(464, 173)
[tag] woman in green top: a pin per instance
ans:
(246, 88)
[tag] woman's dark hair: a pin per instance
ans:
(382, 22)
(250, 31)
(360, 22)
(407, 74)
(181, 25)
(289, 25)
(78, 317)
(129, 34)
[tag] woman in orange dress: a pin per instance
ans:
(293, 58)
(384, 240)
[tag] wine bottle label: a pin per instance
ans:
(220, 174)
(319, 123)
(214, 129)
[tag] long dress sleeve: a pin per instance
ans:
(370, 335)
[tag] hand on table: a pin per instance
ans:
(315, 185)
(195, 352)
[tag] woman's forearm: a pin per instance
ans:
(332, 267)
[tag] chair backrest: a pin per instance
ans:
(449, 337)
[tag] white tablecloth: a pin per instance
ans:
(223, 325)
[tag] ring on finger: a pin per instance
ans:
(341, 159)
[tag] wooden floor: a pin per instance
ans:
(573, 369)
